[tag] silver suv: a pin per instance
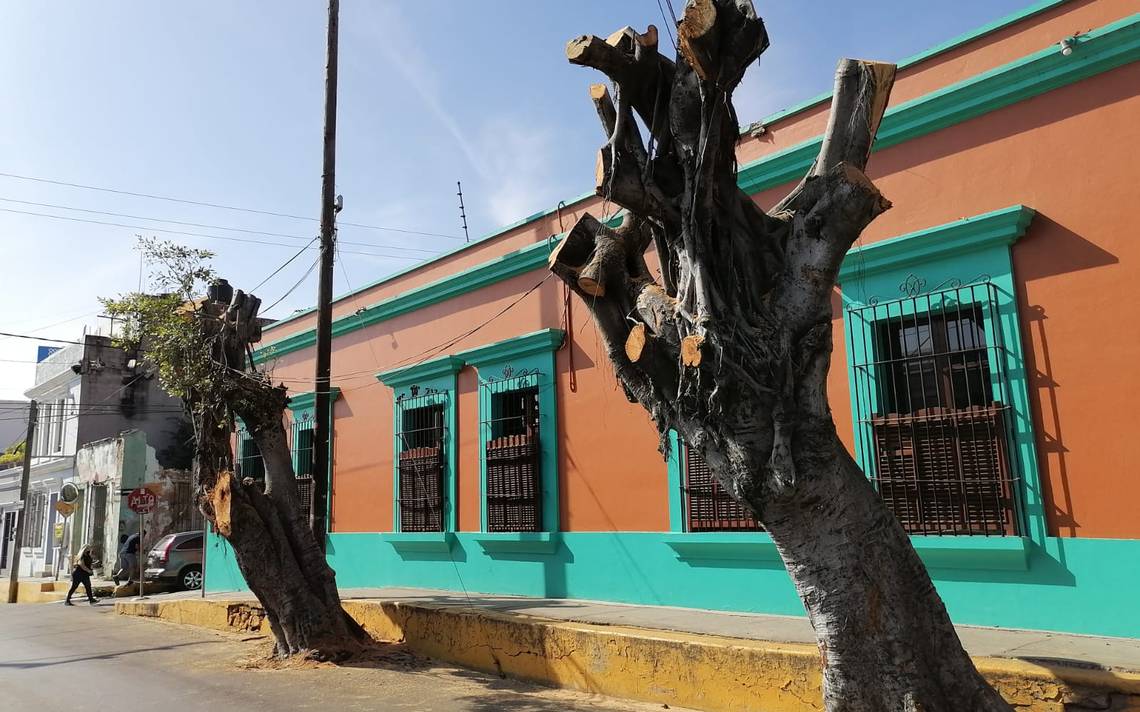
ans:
(176, 559)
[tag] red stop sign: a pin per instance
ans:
(142, 501)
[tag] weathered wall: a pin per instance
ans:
(143, 405)
(124, 463)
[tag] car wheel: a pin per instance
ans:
(191, 578)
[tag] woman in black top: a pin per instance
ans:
(84, 566)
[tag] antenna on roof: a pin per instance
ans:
(462, 214)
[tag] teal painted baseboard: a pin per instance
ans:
(1070, 585)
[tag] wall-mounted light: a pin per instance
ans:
(1067, 45)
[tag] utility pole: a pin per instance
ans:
(22, 519)
(322, 473)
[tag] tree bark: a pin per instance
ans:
(732, 348)
(275, 549)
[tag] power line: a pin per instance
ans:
(38, 338)
(294, 287)
(208, 226)
(286, 264)
(146, 228)
(218, 205)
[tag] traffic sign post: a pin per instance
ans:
(141, 501)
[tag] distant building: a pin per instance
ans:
(86, 392)
(13, 428)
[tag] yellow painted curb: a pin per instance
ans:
(705, 672)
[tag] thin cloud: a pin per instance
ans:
(510, 155)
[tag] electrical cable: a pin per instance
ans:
(38, 338)
(208, 226)
(219, 205)
(286, 264)
(294, 287)
(145, 228)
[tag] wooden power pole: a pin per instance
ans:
(322, 473)
(22, 519)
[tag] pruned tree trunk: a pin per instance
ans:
(730, 343)
(269, 532)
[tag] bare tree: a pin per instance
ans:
(730, 343)
(202, 348)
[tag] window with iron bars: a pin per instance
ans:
(933, 422)
(250, 463)
(302, 441)
(34, 524)
(420, 463)
(708, 508)
(185, 515)
(513, 455)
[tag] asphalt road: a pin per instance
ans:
(89, 658)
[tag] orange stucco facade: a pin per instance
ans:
(1068, 153)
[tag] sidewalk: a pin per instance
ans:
(702, 659)
(45, 589)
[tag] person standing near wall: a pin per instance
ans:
(81, 574)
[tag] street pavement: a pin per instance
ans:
(89, 658)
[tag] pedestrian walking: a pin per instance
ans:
(81, 574)
(128, 558)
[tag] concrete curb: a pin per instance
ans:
(704, 672)
(49, 591)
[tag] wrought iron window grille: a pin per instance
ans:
(932, 407)
(421, 459)
(708, 507)
(513, 453)
(302, 434)
(250, 463)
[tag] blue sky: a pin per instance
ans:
(221, 102)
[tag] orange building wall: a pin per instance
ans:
(1076, 268)
(1065, 154)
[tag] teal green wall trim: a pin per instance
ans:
(1097, 51)
(429, 383)
(412, 543)
(953, 43)
(993, 553)
(536, 342)
(509, 265)
(505, 543)
(724, 546)
(673, 468)
(1071, 585)
(999, 227)
(533, 355)
(308, 401)
(986, 29)
(435, 368)
(442, 256)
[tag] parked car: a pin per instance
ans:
(176, 559)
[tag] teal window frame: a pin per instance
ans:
(429, 383)
(303, 406)
(245, 442)
(972, 250)
(532, 354)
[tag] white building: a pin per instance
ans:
(85, 392)
(57, 392)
